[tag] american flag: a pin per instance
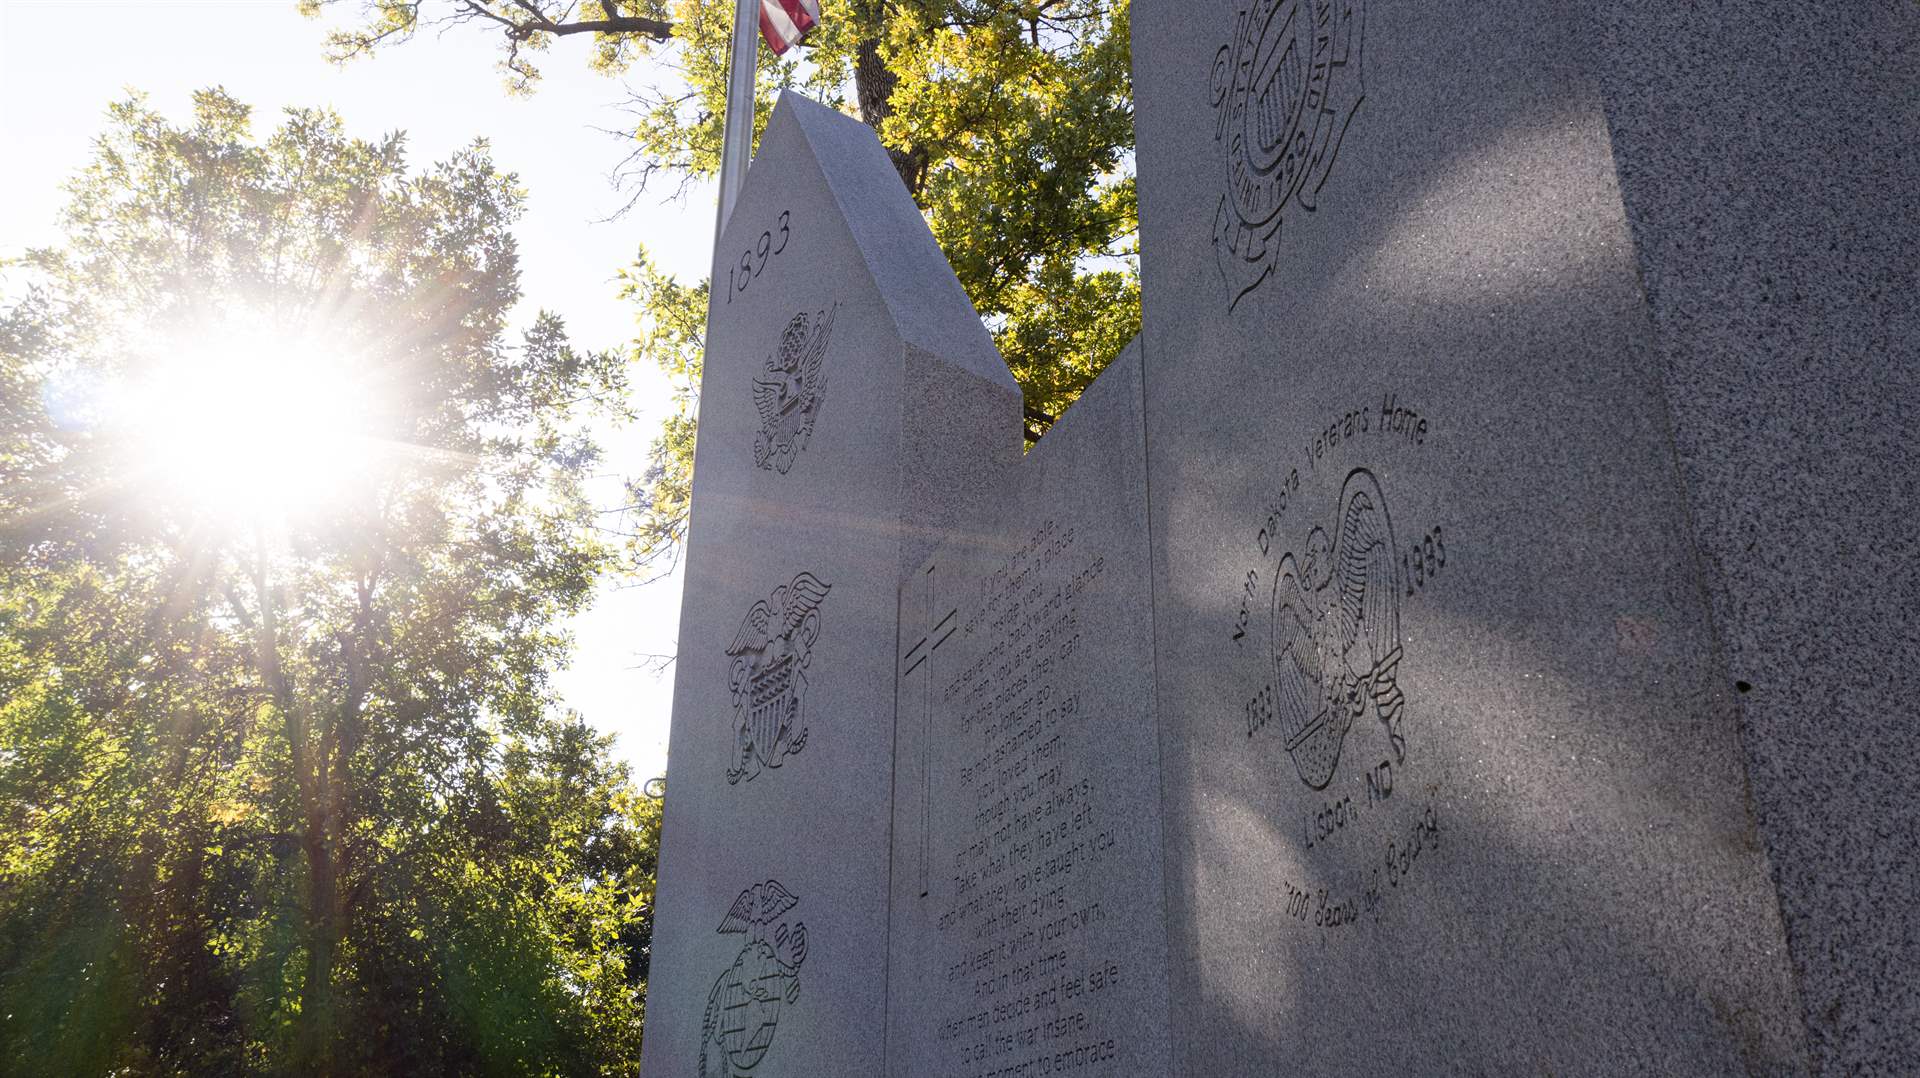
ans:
(785, 23)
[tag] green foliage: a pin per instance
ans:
(1010, 121)
(672, 335)
(293, 794)
(1022, 115)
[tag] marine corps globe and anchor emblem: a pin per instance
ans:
(768, 676)
(788, 396)
(1283, 93)
(743, 1010)
(1336, 632)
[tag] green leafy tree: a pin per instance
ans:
(288, 527)
(1010, 122)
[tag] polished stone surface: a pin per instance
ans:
(1470, 631)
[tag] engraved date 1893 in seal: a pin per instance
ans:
(1283, 92)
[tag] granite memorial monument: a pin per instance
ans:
(1470, 630)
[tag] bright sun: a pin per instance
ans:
(251, 426)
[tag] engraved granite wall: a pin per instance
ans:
(1467, 631)
(1453, 770)
(852, 407)
(1026, 834)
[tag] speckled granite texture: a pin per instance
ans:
(1769, 158)
(852, 408)
(1639, 279)
(1472, 631)
(1026, 885)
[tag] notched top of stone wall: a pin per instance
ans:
(922, 296)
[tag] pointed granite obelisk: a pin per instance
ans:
(851, 409)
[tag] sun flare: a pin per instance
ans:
(248, 425)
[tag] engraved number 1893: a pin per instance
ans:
(742, 275)
(1424, 560)
(1260, 710)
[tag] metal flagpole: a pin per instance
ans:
(737, 142)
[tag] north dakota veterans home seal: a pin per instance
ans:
(1336, 631)
(1283, 92)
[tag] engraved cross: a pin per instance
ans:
(918, 661)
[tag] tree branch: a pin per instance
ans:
(657, 29)
(539, 21)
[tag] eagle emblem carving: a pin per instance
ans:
(1336, 632)
(768, 676)
(743, 1010)
(788, 395)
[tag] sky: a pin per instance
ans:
(63, 61)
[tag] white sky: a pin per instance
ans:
(63, 61)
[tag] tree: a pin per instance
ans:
(284, 785)
(1010, 121)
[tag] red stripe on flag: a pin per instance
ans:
(785, 23)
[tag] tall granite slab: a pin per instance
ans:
(851, 408)
(1027, 892)
(1471, 631)
(1769, 159)
(1452, 755)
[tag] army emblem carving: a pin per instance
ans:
(768, 676)
(788, 395)
(1336, 632)
(1283, 92)
(743, 1010)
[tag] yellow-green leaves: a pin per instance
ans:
(299, 797)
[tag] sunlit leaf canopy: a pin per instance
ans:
(1010, 122)
(289, 528)
(308, 321)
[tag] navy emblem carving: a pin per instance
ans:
(767, 675)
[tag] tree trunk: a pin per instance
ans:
(873, 83)
(314, 1034)
(317, 1019)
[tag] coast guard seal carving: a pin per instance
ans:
(768, 676)
(1336, 632)
(788, 397)
(743, 1010)
(1283, 93)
